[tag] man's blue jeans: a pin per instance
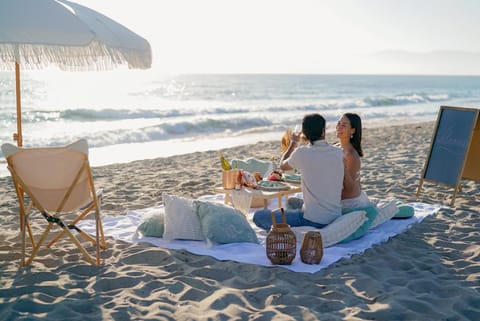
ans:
(263, 218)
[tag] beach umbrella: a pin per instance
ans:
(38, 33)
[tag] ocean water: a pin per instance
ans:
(128, 115)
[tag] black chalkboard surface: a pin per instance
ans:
(450, 145)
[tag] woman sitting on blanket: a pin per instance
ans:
(322, 169)
(349, 132)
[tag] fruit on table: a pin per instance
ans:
(275, 176)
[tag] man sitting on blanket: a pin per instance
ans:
(322, 171)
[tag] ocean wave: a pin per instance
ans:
(404, 99)
(194, 107)
(197, 127)
(89, 115)
(164, 131)
(183, 129)
(241, 107)
(118, 114)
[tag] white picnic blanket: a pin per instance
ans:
(124, 228)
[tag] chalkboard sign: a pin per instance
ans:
(450, 147)
(450, 144)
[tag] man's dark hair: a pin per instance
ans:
(313, 127)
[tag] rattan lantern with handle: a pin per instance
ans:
(311, 251)
(281, 242)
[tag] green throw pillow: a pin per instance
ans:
(153, 224)
(405, 211)
(224, 224)
(370, 211)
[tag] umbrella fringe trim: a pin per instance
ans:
(95, 56)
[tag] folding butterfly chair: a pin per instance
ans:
(58, 182)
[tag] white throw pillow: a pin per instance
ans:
(385, 212)
(181, 219)
(338, 230)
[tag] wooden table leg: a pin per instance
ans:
(227, 198)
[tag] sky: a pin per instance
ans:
(305, 36)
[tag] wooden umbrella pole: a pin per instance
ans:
(18, 136)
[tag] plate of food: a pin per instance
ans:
(292, 178)
(272, 185)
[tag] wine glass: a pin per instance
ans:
(297, 131)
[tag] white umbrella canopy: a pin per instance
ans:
(38, 33)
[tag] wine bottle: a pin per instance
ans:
(225, 164)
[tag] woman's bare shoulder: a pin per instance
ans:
(352, 160)
(351, 153)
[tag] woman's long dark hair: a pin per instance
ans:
(356, 139)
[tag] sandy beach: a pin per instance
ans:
(430, 272)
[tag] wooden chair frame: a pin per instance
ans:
(54, 216)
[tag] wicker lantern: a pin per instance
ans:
(311, 251)
(281, 242)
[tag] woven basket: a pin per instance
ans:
(311, 251)
(281, 242)
(230, 178)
